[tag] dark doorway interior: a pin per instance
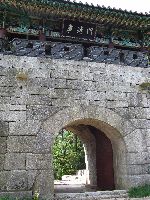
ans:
(104, 161)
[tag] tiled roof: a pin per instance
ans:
(78, 11)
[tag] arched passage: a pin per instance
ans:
(111, 138)
(99, 157)
(99, 173)
(106, 121)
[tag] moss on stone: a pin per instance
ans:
(22, 76)
(145, 86)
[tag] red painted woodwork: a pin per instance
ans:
(3, 33)
(104, 161)
(42, 36)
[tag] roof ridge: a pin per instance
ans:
(84, 5)
(98, 6)
(104, 7)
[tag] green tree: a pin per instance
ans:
(68, 154)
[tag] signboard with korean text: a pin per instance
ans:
(79, 29)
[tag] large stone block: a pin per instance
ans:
(138, 112)
(137, 100)
(148, 148)
(133, 112)
(126, 126)
(141, 123)
(21, 144)
(2, 160)
(136, 180)
(60, 73)
(3, 145)
(4, 177)
(116, 104)
(7, 91)
(2, 70)
(62, 102)
(32, 174)
(18, 180)
(64, 94)
(38, 161)
(140, 158)
(148, 179)
(15, 161)
(14, 115)
(3, 128)
(138, 169)
(115, 96)
(29, 127)
(146, 133)
(44, 142)
(135, 141)
(40, 112)
(38, 100)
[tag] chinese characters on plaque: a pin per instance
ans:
(79, 29)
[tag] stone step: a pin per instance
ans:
(92, 195)
(70, 188)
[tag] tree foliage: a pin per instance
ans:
(68, 154)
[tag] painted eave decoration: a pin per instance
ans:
(78, 11)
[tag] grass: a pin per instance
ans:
(14, 198)
(138, 192)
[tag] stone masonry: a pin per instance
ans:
(69, 51)
(40, 96)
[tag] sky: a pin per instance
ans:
(134, 5)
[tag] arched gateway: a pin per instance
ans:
(109, 129)
(80, 67)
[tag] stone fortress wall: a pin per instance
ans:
(70, 51)
(39, 96)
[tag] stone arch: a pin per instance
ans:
(111, 124)
(108, 118)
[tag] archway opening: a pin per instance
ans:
(78, 119)
(104, 154)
